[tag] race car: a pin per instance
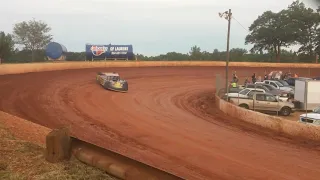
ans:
(112, 81)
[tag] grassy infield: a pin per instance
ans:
(21, 160)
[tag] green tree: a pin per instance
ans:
(33, 35)
(218, 56)
(177, 56)
(75, 56)
(305, 21)
(238, 54)
(206, 56)
(6, 46)
(195, 53)
(271, 32)
(141, 57)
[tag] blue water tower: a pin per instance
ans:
(56, 51)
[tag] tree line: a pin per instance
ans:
(270, 34)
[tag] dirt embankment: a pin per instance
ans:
(39, 67)
(155, 122)
(22, 154)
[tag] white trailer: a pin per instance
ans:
(307, 92)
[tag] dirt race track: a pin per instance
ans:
(160, 122)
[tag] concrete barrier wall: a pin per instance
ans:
(37, 67)
(278, 124)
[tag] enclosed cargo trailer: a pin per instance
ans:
(307, 92)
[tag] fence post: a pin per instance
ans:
(217, 84)
(278, 105)
(58, 145)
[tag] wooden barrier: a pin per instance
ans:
(58, 145)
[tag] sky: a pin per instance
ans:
(152, 26)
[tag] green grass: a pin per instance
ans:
(22, 160)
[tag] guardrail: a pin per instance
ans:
(116, 164)
(60, 145)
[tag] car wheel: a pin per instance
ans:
(244, 106)
(285, 111)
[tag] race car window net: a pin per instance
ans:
(115, 78)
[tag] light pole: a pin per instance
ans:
(227, 15)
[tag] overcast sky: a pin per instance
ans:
(151, 26)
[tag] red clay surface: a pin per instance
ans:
(159, 122)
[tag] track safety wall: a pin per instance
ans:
(38, 67)
(278, 124)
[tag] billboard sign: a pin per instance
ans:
(109, 51)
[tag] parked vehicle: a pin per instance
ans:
(280, 94)
(264, 102)
(236, 89)
(285, 83)
(292, 81)
(277, 85)
(311, 118)
(316, 78)
(244, 93)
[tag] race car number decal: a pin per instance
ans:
(117, 85)
(101, 81)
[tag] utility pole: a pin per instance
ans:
(227, 15)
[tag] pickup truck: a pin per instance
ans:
(264, 102)
(244, 93)
(283, 95)
(236, 89)
(277, 85)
